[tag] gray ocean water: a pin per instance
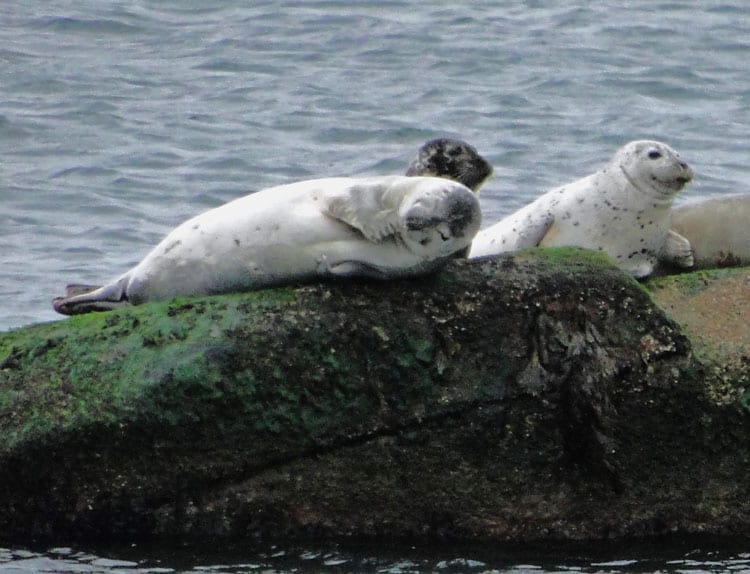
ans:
(275, 560)
(118, 120)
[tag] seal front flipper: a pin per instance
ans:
(359, 269)
(677, 250)
(351, 268)
(78, 301)
(513, 233)
(364, 207)
(539, 233)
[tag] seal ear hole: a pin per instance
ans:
(425, 241)
(654, 154)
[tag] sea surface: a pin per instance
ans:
(121, 119)
(682, 558)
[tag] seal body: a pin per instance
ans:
(452, 159)
(623, 210)
(376, 227)
(718, 229)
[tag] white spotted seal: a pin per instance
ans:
(452, 159)
(623, 209)
(717, 229)
(381, 227)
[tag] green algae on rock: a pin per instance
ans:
(713, 308)
(530, 397)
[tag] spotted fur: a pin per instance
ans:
(623, 210)
(380, 227)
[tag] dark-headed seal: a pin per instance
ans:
(452, 159)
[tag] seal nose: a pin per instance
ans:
(687, 174)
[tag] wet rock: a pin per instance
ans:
(538, 396)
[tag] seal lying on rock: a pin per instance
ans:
(623, 209)
(717, 228)
(452, 159)
(381, 227)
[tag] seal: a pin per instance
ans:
(623, 210)
(451, 159)
(717, 229)
(383, 227)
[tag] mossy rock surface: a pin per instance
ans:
(713, 307)
(529, 397)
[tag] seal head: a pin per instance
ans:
(653, 168)
(437, 218)
(451, 159)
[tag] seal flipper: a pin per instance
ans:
(76, 289)
(677, 250)
(513, 233)
(361, 206)
(353, 268)
(78, 300)
(358, 269)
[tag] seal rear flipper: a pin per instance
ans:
(77, 289)
(78, 300)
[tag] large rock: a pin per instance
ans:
(530, 397)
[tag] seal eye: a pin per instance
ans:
(653, 154)
(452, 151)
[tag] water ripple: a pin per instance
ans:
(140, 113)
